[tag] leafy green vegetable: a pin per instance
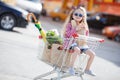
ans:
(53, 38)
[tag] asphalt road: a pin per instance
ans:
(20, 50)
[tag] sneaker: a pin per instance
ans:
(89, 72)
(72, 71)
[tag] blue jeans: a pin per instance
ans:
(75, 44)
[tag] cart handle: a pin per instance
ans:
(33, 16)
(91, 38)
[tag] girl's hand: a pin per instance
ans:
(81, 26)
(73, 23)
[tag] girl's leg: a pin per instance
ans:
(74, 56)
(92, 55)
(72, 60)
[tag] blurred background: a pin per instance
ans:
(104, 13)
(19, 42)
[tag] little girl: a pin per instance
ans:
(76, 24)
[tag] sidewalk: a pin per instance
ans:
(19, 58)
(12, 77)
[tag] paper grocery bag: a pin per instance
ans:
(59, 57)
(46, 54)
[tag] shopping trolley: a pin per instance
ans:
(59, 58)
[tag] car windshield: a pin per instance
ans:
(34, 0)
(57, 9)
(97, 16)
(94, 16)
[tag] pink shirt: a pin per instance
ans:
(69, 32)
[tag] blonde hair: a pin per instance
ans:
(69, 18)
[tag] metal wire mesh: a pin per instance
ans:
(60, 58)
(92, 42)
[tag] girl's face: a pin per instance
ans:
(77, 15)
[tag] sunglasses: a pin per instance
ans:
(77, 14)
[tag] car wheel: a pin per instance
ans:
(7, 22)
(117, 37)
(56, 19)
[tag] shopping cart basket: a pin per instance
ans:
(60, 58)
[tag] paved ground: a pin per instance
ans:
(20, 50)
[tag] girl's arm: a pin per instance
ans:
(68, 30)
(87, 29)
(87, 32)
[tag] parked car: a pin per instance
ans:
(100, 20)
(112, 32)
(61, 14)
(34, 6)
(11, 16)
